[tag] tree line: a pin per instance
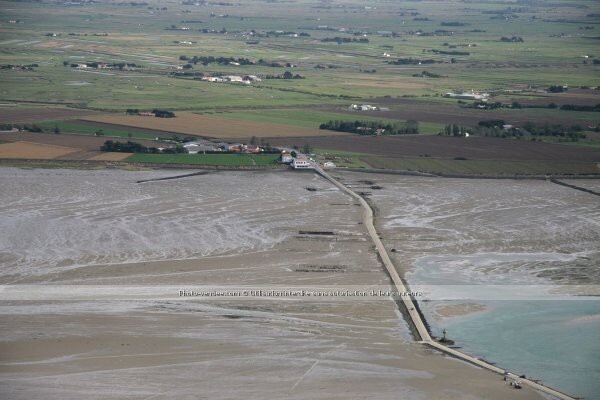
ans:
(205, 60)
(134, 147)
(498, 128)
(372, 127)
(157, 113)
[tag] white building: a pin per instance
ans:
(468, 96)
(328, 164)
(233, 78)
(301, 163)
(213, 79)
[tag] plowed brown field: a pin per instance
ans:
(37, 151)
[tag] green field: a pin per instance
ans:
(231, 160)
(137, 36)
(557, 45)
(88, 129)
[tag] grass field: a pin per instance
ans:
(87, 129)
(136, 35)
(232, 160)
(212, 126)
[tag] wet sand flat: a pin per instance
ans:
(256, 229)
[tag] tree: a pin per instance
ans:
(306, 148)
(56, 129)
(288, 75)
(253, 140)
(412, 126)
(294, 154)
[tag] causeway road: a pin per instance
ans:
(417, 321)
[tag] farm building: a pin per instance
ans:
(252, 149)
(235, 148)
(195, 148)
(213, 79)
(233, 78)
(286, 157)
(328, 164)
(363, 107)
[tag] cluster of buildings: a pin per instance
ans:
(366, 107)
(103, 65)
(206, 146)
(246, 79)
(301, 161)
(468, 96)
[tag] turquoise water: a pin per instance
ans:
(526, 328)
(555, 341)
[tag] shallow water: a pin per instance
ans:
(555, 341)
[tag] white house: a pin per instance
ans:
(213, 79)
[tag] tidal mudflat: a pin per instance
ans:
(92, 231)
(507, 265)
